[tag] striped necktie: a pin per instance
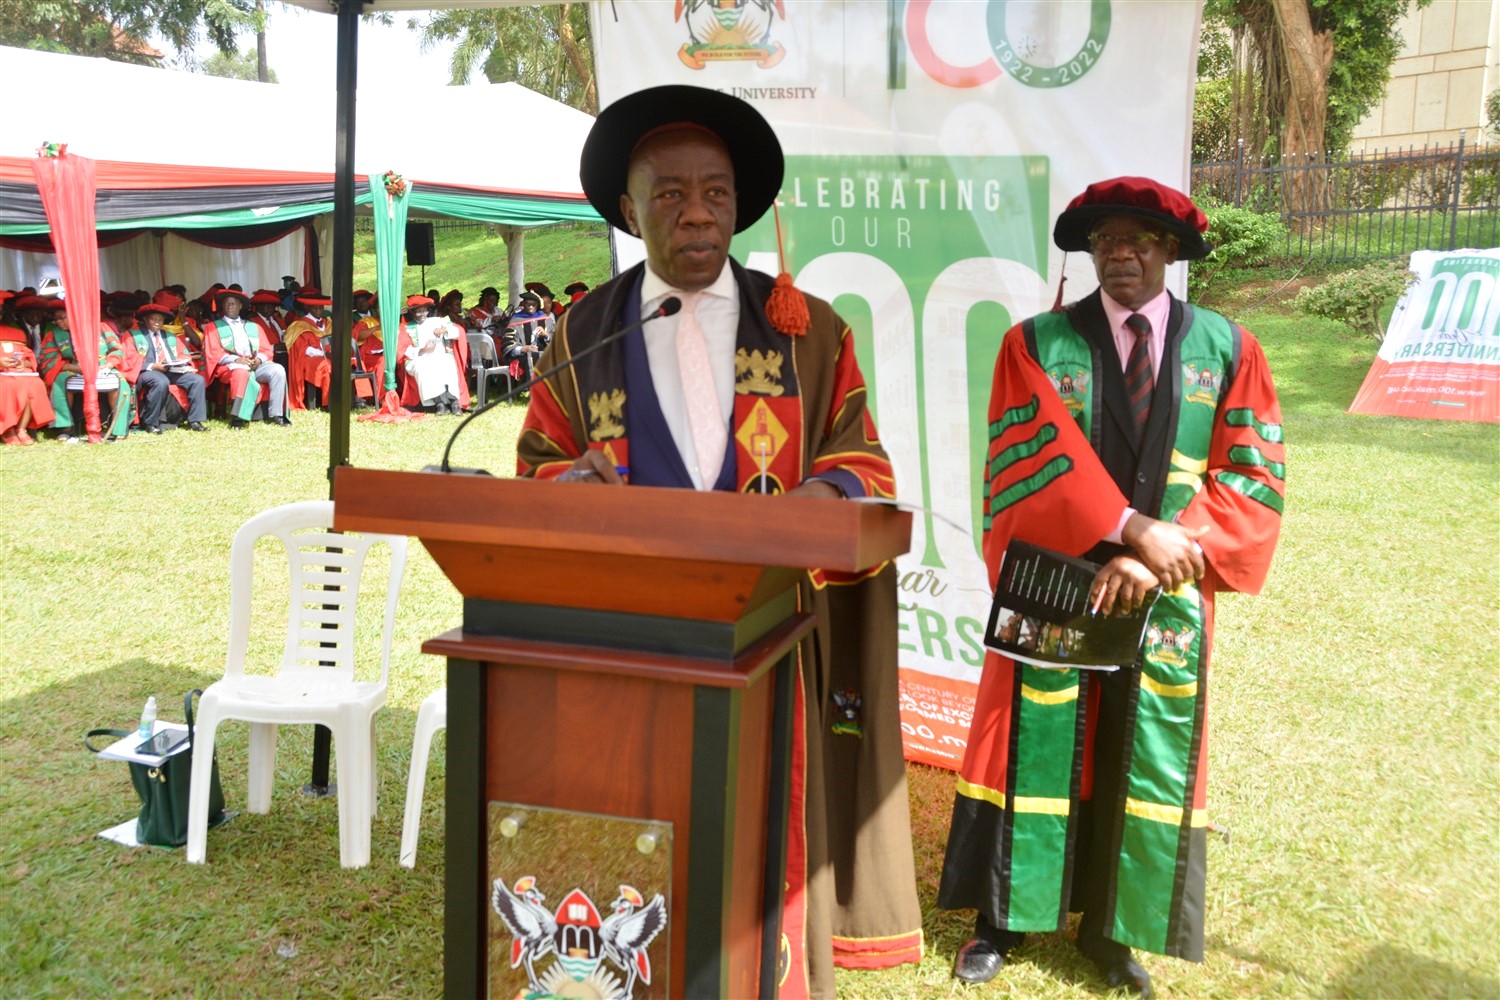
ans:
(1139, 380)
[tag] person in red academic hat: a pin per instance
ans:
(24, 405)
(263, 306)
(307, 345)
(236, 353)
(366, 326)
(429, 347)
(59, 368)
(165, 364)
(1097, 451)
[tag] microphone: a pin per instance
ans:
(670, 306)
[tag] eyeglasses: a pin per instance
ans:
(1137, 242)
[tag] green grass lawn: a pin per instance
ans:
(1353, 727)
(471, 258)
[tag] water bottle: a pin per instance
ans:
(148, 718)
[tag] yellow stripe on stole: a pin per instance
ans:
(1168, 690)
(1049, 697)
(993, 796)
(1024, 803)
(1159, 813)
(1048, 807)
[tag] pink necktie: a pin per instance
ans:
(699, 394)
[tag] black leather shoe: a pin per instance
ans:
(237, 424)
(1124, 972)
(978, 961)
(279, 421)
(196, 426)
(151, 430)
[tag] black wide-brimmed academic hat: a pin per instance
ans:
(620, 128)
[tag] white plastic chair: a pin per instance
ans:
(484, 361)
(432, 716)
(316, 682)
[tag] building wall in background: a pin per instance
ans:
(1450, 62)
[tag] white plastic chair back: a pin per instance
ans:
(325, 571)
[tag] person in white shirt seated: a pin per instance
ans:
(427, 355)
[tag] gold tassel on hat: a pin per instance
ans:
(786, 307)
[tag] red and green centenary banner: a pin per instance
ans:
(930, 147)
(1441, 355)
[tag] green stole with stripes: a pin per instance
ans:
(1164, 726)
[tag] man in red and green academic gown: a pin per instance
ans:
(366, 350)
(24, 405)
(163, 365)
(235, 352)
(757, 391)
(307, 349)
(59, 367)
(1145, 433)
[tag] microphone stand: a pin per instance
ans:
(669, 307)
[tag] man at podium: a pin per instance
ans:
(750, 386)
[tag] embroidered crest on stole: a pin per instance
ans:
(758, 373)
(606, 414)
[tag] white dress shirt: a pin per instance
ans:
(718, 313)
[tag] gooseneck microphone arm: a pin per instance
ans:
(669, 307)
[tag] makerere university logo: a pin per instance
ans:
(732, 30)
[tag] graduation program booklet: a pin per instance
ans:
(1041, 614)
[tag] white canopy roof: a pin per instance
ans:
(114, 111)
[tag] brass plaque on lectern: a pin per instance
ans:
(579, 904)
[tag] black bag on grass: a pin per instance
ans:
(164, 790)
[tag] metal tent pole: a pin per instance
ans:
(346, 77)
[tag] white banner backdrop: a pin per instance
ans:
(930, 147)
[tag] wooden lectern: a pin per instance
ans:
(665, 618)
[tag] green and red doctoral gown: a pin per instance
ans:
(799, 404)
(58, 350)
(1086, 790)
(244, 390)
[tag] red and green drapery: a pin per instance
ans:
(65, 185)
(389, 196)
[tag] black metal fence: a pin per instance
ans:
(1368, 205)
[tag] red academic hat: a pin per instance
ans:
(576, 289)
(265, 296)
(540, 287)
(155, 307)
(412, 301)
(167, 299)
(211, 294)
(34, 302)
(362, 291)
(6, 295)
(225, 293)
(313, 297)
(1140, 198)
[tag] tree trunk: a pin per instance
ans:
(575, 56)
(1307, 56)
(262, 71)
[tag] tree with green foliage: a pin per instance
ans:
(117, 29)
(236, 66)
(546, 48)
(1308, 71)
